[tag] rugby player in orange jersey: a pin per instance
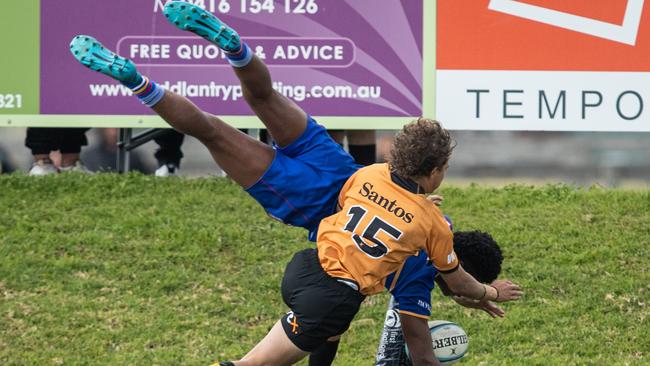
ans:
(384, 218)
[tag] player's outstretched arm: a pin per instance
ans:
(463, 284)
(418, 339)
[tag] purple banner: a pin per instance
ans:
(333, 57)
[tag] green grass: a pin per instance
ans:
(132, 270)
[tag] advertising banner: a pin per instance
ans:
(543, 65)
(473, 64)
(341, 58)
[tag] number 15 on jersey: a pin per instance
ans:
(376, 248)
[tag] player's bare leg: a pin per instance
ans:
(274, 350)
(281, 116)
(243, 158)
(285, 120)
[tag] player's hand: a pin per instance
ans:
(436, 199)
(488, 306)
(507, 290)
(492, 309)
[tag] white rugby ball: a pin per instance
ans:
(450, 341)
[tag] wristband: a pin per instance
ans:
(484, 293)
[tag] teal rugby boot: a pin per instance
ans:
(192, 18)
(92, 54)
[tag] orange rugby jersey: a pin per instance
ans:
(382, 222)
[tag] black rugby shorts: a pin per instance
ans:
(321, 306)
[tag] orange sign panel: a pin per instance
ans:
(537, 35)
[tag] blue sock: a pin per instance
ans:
(148, 92)
(240, 58)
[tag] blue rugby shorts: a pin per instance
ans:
(302, 184)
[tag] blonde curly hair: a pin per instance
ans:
(419, 148)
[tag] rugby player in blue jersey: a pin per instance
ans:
(297, 180)
(479, 255)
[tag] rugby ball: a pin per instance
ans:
(450, 341)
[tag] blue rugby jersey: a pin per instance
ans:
(412, 289)
(415, 281)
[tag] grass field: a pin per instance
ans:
(132, 270)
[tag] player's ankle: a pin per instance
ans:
(241, 57)
(147, 91)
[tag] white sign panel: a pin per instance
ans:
(582, 65)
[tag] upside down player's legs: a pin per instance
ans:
(247, 161)
(286, 189)
(243, 158)
(282, 117)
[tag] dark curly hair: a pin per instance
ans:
(479, 253)
(419, 148)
